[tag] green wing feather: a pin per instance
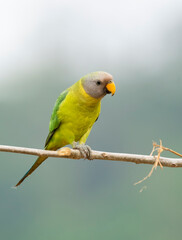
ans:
(55, 122)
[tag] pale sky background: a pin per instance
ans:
(86, 33)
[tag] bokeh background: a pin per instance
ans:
(47, 45)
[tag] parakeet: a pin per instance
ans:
(75, 111)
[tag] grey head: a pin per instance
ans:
(98, 84)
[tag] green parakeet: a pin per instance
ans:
(74, 113)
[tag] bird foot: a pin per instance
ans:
(85, 150)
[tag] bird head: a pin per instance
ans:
(98, 84)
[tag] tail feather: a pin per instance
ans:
(39, 160)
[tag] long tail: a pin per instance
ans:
(32, 169)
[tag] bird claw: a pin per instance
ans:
(85, 151)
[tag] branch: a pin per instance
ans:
(75, 154)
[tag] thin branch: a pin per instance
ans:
(75, 154)
(155, 145)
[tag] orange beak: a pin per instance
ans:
(111, 87)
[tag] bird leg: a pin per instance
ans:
(85, 150)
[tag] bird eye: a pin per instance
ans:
(98, 82)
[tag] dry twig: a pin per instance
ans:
(159, 148)
(75, 154)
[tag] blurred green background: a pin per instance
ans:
(45, 47)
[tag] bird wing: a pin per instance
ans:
(54, 124)
(55, 121)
